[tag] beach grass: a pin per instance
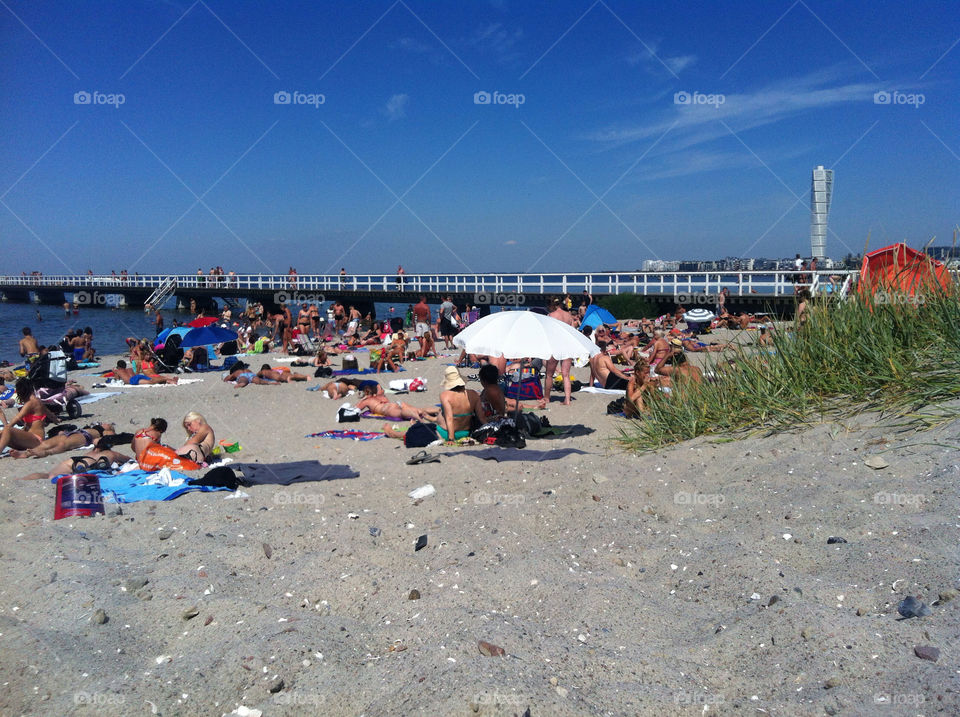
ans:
(889, 352)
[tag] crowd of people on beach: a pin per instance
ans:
(639, 359)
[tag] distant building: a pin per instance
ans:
(943, 253)
(660, 265)
(821, 192)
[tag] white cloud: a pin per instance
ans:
(396, 107)
(497, 40)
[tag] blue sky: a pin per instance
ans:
(587, 159)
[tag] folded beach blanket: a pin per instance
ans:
(355, 435)
(360, 372)
(292, 472)
(134, 486)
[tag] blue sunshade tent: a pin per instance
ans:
(595, 316)
(207, 335)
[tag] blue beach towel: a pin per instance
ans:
(132, 487)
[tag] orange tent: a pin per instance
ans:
(902, 270)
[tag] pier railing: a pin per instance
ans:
(742, 283)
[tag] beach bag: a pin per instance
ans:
(615, 407)
(531, 424)
(529, 389)
(420, 435)
(349, 362)
(348, 414)
(323, 372)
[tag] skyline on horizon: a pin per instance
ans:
(168, 135)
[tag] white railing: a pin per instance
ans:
(740, 283)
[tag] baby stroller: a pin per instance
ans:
(168, 358)
(49, 376)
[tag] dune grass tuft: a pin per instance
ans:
(892, 352)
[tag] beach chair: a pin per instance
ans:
(304, 345)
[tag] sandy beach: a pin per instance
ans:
(696, 580)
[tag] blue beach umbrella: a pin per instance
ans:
(206, 336)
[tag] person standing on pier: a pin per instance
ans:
(400, 275)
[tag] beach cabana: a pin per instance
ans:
(902, 270)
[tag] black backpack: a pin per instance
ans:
(420, 435)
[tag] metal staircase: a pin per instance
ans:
(163, 292)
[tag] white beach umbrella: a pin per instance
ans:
(699, 315)
(524, 334)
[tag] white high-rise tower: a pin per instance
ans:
(821, 190)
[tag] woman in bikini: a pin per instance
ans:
(33, 414)
(200, 439)
(67, 441)
(380, 405)
(458, 405)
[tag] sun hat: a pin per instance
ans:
(676, 342)
(452, 378)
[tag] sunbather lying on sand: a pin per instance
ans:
(342, 387)
(380, 405)
(134, 379)
(280, 374)
(67, 441)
